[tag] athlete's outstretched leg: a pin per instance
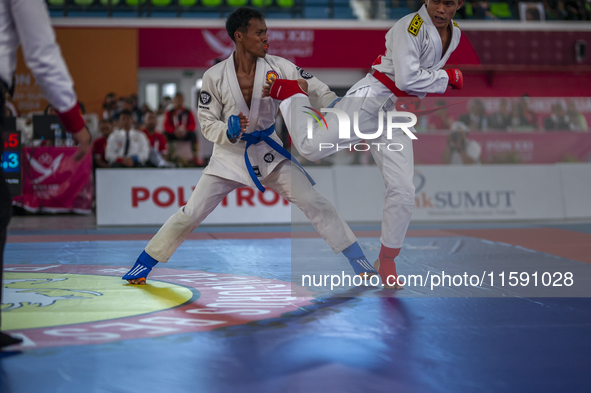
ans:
(208, 193)
(287, 180)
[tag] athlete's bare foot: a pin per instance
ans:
(138, 281)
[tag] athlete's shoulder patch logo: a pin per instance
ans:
(306, 75)
(269, 158)
(272, 76)
(455, 24)
(415, 25)
(257, 171)
(204, 97)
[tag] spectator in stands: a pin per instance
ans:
(99, 146)
(459, 149)
(135, 110)
(481, 10)
(501, 119)
(127, 104)
(577, 118)
(440, 120)
(566, 10)
(518, 120)
(558, 120)
(49, 110)
(158, 144)
(476, 119)
(529, 114)
(179, 123)
(166, 105)
(110, 106)
(127, 147)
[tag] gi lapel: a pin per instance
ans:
(257, 92)
(235, 88)
(434, 37)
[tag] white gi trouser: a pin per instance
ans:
(367, 98)
(286, 179)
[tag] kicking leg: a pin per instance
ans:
(208, 193)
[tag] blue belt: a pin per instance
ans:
(264, 136)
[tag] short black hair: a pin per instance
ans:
(239, 20)
(125, 112)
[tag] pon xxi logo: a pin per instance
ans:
(57, 305)
(394, 121)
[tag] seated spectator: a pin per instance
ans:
(460, 150)
(179, 123)
(476, 119)
(137, 113)
(49, 110)
(558, 120)
(518, 121)
(501, 119)
(481, 10)
(440, 120)
(99, 146)
(126, 147)
(126, 104)
(578, 119)
(566, 10)
(158, 144)
(110, 106)
(529, 114)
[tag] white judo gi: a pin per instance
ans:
(413, 60)
(221, 98)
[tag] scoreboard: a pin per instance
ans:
(12, 156)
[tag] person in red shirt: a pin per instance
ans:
(157, 140)
(100, 145)
(179, 124)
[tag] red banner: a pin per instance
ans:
(308, 48)
(54, 182)
(503, 148)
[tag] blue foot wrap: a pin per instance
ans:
(358, 260)
(143, 266)
(361, 266)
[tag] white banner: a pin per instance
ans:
(151, 196)
(483, 193)
(576, 184)
(443, 193)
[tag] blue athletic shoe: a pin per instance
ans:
(143, 266)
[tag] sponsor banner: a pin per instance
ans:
(54, 182)
(457, 193)
(443, 193)
(151, 196)
(482, 193)
(576, 184)
(504, 148)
